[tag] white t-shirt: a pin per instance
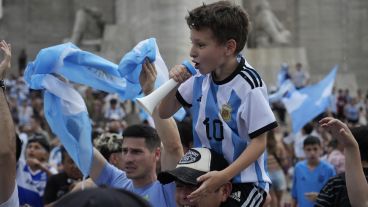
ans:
(13, 201)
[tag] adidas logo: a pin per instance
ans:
(236, 196)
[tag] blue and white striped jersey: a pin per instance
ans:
(31, 185)
(228, 114)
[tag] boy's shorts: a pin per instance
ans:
(245, 194)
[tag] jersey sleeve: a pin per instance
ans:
(257, 113)
(184, 94)
(112, 177)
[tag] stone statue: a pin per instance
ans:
(268, 30)
(88, 28)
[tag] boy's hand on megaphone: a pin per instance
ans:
(148, 77)
(179, 73)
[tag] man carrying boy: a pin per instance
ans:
(228, 102)
(310, 175)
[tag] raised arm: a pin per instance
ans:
(170, 105)
(356, 182)
(166, 128)
(7, 134)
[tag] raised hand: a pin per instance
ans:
(148, 77)
(339, 130)
(211, 181)
(179, 73)
(5, 63)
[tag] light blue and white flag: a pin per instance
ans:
(286, 87)
(80, 67)
(307, 103)
(67, 116)
(131, 66)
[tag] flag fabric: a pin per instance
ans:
(131, 66)
(307, 103)
(65, 110)
(67, 116)
(286, 87)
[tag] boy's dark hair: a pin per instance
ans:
(311, 140)
(361, 136)
(226, 21)
(40, 139)
(142, 131)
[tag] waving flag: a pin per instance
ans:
(305, 104)
(64, 108)
(286, 87)
(131, 66)
(67, 116)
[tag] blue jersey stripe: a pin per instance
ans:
(261, 182)
(215, 133)
(239, 143)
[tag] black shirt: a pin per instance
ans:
(335, 193)
(56, 187)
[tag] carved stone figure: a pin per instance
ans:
(268, 30)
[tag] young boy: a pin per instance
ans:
(310, 175)
(228, 102)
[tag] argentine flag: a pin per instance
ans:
(305, 104)
(131, 66)
(65, 109)
(67, 116)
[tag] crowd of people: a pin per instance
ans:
(216, 156)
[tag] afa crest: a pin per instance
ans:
(226, 112)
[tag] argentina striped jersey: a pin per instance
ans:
(227, 114)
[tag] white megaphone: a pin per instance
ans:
(149, 102)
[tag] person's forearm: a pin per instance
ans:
(170, 138)
(253, 151)
(7, 150)
(98, 164)
(169, 105)
(355, 180)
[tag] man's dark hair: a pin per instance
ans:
(226, 21)
(142, 131)
(311, 140)
(361, 136)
